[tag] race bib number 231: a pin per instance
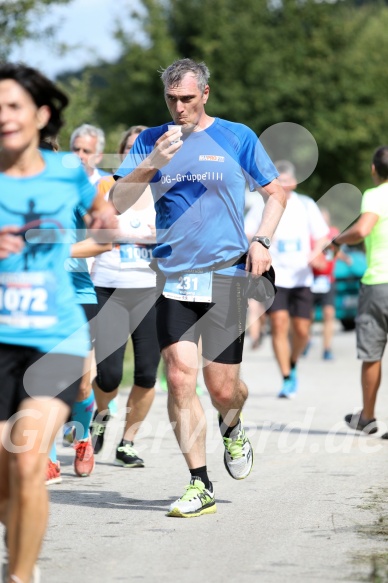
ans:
(189, 287)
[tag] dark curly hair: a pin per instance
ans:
(42, 91)
(380, 161)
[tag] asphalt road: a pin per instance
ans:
(307, 512)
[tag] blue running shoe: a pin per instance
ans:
(288, 389)
(328, 355)
(294, 378)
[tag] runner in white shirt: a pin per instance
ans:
(301, 234)
(126, 288)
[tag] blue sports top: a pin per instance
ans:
(200, 194)
(78, 267)
(38, 305)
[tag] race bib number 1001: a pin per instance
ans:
(189, 287)
(134, 256)
(27, 299)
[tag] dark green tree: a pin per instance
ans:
(19, 21)
(317, 64)
(130, 89)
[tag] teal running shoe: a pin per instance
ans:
(288, 389)
(197, 500)
(294, 378)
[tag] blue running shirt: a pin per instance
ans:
(200, 195)
(38, 305)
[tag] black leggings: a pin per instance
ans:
(129, 312)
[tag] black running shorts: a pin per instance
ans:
(27, 373)
(297, 301)
(220, 324)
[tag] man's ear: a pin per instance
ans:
(205, 95)
(97, 158)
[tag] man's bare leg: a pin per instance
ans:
(300, 337)
(280, 325)
(328, 326)
(184, 407)
(227, 391)
(370, 381)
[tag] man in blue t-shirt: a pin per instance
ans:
(198, 168)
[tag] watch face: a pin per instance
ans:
(266, 241)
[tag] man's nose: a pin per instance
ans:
(82, 155)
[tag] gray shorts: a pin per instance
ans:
(372, 322)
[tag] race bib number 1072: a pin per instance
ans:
(27, 299)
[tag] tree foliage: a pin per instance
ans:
(132, 83)
(317, 64)
(19, 22)
(81, 108)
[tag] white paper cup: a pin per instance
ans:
(175, 138)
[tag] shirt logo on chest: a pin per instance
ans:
(209, 158)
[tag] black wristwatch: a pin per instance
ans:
(265, 241)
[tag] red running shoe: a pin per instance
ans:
(84, 458)
(53, 473)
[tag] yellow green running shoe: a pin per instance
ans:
(195, 501)
(238, 455)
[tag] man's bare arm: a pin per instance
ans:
(129, 189)
(357, 232)
(274, 208)
(259, 258)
